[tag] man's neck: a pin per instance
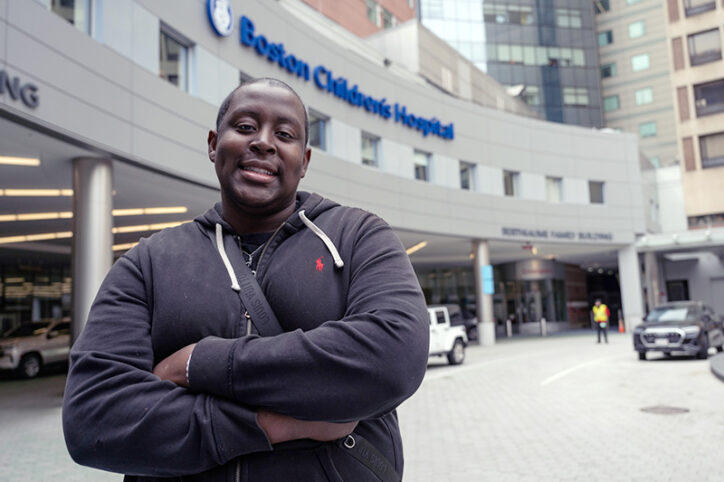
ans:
(247, 223)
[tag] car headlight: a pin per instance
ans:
(692, 330)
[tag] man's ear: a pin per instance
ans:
(305, 160)
(211, 141)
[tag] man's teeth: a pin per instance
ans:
(259, 170)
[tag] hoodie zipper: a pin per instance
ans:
(237, 477)
(261, 256)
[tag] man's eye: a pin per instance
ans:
(285, 134)
(245, 127)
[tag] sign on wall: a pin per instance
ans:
(221, 20)
(26, 92)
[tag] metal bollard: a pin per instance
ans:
(508, 328)
(543, 331)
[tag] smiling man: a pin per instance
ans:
(171, 376)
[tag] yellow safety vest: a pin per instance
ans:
(599, 313)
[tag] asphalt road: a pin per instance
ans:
(559, 408)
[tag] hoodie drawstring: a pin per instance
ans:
(222, 252)
(325, 239)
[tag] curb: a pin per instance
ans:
(717, 366)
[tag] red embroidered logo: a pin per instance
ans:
(320, 265)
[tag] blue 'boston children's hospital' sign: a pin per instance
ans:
(219, 13)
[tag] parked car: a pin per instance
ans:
(688, 327)
(29, 347)
(460, 317)
(445, 339)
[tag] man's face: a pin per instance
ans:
(598, 303)
(259, 152)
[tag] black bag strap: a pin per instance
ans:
(358, 447)
(252, 297)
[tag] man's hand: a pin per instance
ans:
(281, 428)
(173, 367)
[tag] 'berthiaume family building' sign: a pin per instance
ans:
(222, 22)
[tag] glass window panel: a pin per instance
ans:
(173, 60)
(637, 29)
(640, 62)
(467, 176)
(608, 70)
(369, 149)
(595, 191)
(605, 38)
(317, 130)
(529, 55)
(516, 54)
(647, 129)
(712, 150)
(709, 98)
(644, 96)
(421, 165)
(704, 47)
(611, 103)
(554, 190)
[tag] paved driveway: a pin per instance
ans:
(560, 408)
(565, 408)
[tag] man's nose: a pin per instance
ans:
(263, 141)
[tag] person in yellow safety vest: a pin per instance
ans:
(600, 316)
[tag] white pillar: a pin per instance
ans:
(653, 285)
(631, 292)
(92, 236)
(484, 301)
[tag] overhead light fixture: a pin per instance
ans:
(416, 248)
(124, 246)
(69, 214)
(19, 161)
(35, 237)
(534, 250)
(69, 234)
(147, 227)
(36, 192)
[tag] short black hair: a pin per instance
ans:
(224, 107)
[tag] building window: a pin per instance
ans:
(174, 58)
(677, 290)
(467, 176)
(531, 95)
(568, 17)
(712, 150)
(608, 70)
(554, 189)
(644, 96)
(507, 14)
(510, 183)
(422, 165)
(709, 98)
(575, 96)
(534, 55)
(611, 103)
(373, 13)
(388, 20)
(596, 192)
(631, 2)
(369, 149)
(605, 38)
(318, 130)
(647, 129)
(601, 6)
(640, 62)
(695, 7)
(704, 47)
(76, 12)
(637, 29)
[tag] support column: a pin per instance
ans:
(92, 237)
(653, 285)
(484, 289)
(631, 292)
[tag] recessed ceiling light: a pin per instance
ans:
(19, 161)
(416, 248)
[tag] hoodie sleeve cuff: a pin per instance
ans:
(210, 366)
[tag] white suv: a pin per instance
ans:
(30, 346)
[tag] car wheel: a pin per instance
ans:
(457, 355)
(642, 355)
(29, 366)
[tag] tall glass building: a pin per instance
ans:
(545, 50)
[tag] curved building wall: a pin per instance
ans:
(103, 90)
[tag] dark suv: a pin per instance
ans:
(688, 327)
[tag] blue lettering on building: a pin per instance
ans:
(339, 86)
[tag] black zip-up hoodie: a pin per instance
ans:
(355, 346)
